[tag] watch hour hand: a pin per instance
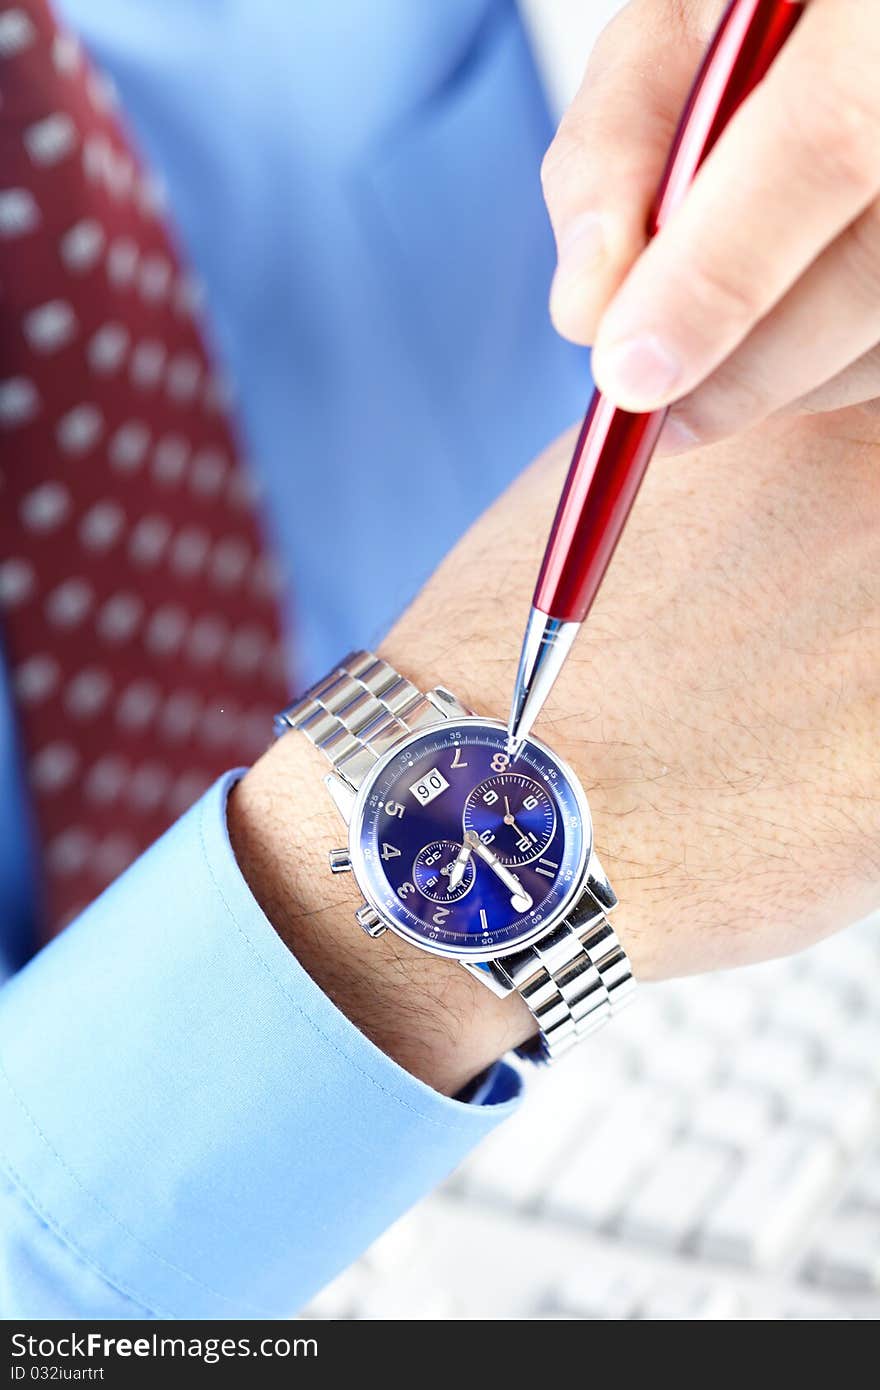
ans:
(510, 819)
(459, 864)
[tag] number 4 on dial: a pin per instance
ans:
(389, 851)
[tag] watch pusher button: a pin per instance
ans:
(340, 861)
(369, 920)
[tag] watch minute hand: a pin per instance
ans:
(519, 897)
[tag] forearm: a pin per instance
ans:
(695, 709)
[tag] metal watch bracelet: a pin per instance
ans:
(575, 977)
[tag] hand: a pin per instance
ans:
(510, 819)
(519, 898)
(720, 707)
(762, 293)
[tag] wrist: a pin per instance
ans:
(425, 1012)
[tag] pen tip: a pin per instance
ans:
(546, 645)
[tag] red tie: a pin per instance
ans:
(139, 605)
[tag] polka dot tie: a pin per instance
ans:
(138, 602)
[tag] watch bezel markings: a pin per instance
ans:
(484, 951)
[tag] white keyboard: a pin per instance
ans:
(715, 1153)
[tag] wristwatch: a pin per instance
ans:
(467, 853)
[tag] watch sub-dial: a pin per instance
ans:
(432, 867)
(512, 814)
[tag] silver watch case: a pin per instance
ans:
(590, 887)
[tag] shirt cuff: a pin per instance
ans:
(188, 1112)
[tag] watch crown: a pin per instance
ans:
(369, 920)
(340, 861)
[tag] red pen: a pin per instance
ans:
(615, 446)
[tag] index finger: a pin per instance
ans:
(602, 169)
(797, 164)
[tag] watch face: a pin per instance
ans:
(465, 851)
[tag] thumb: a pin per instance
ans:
(603, 167)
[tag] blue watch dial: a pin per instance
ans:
(464, 850)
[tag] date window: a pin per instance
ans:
(429, 786)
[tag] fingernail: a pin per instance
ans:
(639, 373)
(676, 437)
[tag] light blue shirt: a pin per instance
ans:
(188, 1126)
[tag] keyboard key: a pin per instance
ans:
(807, 1312)
(516, 1162)
(645, 1026)
(812, 1007)
(839, 1103)
(407, 1300)
(733, 1114)
(603, 1170)
(705, 1302)
(777, 1060)
(865, 1189)
(668, 1204)
(682, 1060)
(848, 1256)
(339, 1299)
(719, 1007)
(608, 1293)
(858, 1048)
(401, 1242)
(850, 958)
(767, 979)
(771, 1200)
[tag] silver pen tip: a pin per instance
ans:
(546, 645)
